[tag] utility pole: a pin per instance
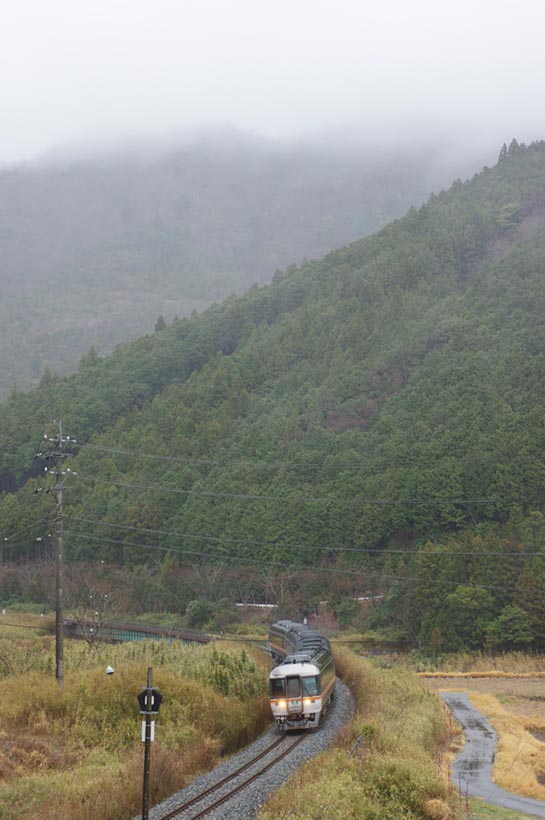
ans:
(56, 454)
(59, 573)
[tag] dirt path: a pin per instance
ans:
(474, 765)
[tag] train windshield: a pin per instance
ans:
(311, 685)
(277, 688)
(294, 690)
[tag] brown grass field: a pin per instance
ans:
(77, 755)
(515, 706)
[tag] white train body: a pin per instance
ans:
(302, 685)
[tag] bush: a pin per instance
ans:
(78, 753)
(198, 612)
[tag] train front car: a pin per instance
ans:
(302, 685)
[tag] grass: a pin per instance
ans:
(25, 624)
(494, 674)
(479, 810)
(79, 753)
(520, 757)
(386, 763)
(479, 664)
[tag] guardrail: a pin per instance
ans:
(119, 632)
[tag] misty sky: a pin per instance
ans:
(96, 71)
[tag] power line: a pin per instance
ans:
(282, 564)
(250, 542)
(316, 500)
(301, 465)
(25, 529)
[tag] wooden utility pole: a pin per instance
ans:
(55, 452)
(59, 636)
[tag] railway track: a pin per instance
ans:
(282, 741)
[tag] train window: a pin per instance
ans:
(277, 688)
(294, 689)
(327, 675)
(311, 685)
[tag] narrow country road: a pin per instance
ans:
(474, 764)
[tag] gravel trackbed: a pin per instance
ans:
(247, 802)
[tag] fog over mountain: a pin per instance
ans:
(95, 246)
(84, 73)
(157, 157)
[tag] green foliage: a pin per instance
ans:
(314, 416)
(345, 611)
(510, 630)
(198, 612)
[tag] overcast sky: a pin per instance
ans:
(86, 71)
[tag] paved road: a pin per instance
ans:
(475, 762)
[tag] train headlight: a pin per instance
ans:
(308, 702)
(282, 703)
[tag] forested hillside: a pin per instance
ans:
(380, 403)
(93, 250)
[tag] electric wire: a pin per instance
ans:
(298, 465)
(282, 564)
(25, 529)
(316, 500)
(275, 543)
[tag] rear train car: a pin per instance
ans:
(301, 686)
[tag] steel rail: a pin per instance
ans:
(185, 806)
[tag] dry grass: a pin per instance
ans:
(493, 674)
(460, 663)
(521, 695)
(515, 707)
(78, 754)
(25, 625)
(520, 756)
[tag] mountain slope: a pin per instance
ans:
(93, 251)
(384, 398)
(341, 342)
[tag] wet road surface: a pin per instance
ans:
(474, 765)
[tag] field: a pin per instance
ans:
(79, 754)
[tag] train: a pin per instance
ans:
(302, 684)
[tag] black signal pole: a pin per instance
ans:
(149, 700)
(147, 746)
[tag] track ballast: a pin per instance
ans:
(239, 786)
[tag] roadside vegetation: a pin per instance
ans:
(519, 764)
(386, 763)
(481, 664)
(508, 690)
(79, 754)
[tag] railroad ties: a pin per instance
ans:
(285, 744)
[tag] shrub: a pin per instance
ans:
(77, 753)
(198, 612)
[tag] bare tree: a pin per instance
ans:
(90, 602)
